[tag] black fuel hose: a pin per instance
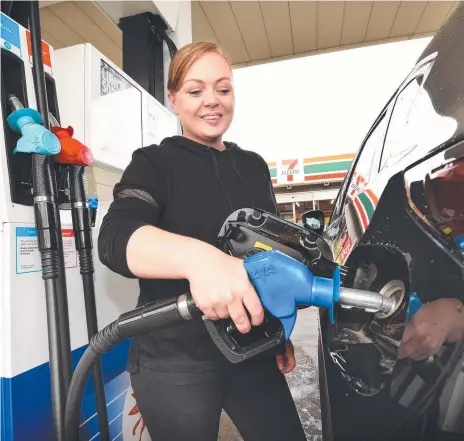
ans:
(156, 315)
(83, 240)
(48, 225)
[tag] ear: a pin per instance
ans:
(172, 100)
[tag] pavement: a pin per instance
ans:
(303, 381)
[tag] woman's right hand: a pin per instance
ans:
(221, 288)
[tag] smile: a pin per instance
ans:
(212, 117)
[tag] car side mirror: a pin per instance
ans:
(314, 220)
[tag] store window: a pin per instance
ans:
(293, 211)
(286, 211)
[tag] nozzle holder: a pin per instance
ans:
(35, 137)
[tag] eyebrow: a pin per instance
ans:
(201, 81)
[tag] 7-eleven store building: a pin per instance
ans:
(304, 184)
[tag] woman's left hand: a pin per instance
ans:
(428, 329)
(287, 362)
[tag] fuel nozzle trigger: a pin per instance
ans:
(35, 137)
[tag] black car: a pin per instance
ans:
(398, 224)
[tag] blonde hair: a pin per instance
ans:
(184, 59)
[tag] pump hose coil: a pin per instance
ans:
(153, 316)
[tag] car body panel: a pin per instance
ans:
(373, 223)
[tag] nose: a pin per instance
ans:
(211, 99)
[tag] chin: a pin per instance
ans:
(213, 134)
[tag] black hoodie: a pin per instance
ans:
(186, 188)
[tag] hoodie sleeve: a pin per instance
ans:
(138, 200)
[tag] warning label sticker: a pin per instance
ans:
(69, 249)
(28, 255)
(27, 251)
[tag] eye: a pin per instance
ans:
(195, 92)
(224, 91)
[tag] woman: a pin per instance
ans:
(161, 228)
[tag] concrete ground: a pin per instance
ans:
(303, 380)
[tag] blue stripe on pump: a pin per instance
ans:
(25, 400)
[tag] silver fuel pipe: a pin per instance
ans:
(383, 304)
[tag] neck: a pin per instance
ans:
(215, 143)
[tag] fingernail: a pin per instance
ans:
(244, 329)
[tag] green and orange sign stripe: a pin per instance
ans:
(320, 168)
(273, 171)
(323, 168)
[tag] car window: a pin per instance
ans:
(365, 165)
(366, 168)
(401, 137)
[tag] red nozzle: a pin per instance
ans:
(72, 151)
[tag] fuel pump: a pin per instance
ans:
(44, 220)
(36, 140)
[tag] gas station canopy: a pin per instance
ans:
(255, 32)
(250, 31)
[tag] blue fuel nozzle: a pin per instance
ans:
(35, 137)
(414, 305)
(282, 283)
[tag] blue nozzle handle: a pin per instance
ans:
(35, 137)
(93, 202)
(283, 282)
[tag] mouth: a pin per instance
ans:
(211, 116)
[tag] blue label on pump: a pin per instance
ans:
(26, 232)
(10, 35)
(27, 251)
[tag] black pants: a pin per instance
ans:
(257, 400)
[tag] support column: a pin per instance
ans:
(18, 11)
(143, 52)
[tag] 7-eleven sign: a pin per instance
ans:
(291, 171)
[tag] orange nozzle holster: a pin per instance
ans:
(72, 151)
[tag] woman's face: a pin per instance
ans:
(205, 102)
